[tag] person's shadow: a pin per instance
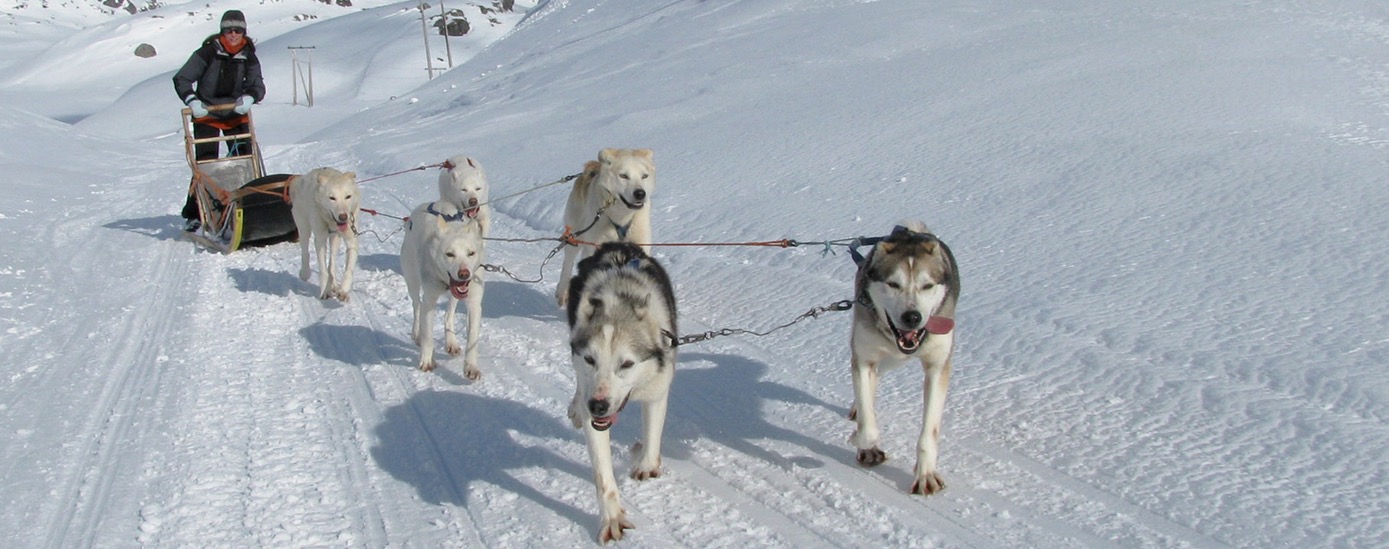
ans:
(444, 442)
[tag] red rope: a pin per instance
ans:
(569, 238)
(443, 164)
(374, 212)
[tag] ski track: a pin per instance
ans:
(112, 423)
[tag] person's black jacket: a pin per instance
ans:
(216, 77)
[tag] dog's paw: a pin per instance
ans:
(452, 347)
(575, 416)
(612, 528)
(304, 275)
(427, 366)
(927, 484)
(342, 295)
(562, 296)
(853, 412)
(643, 473)
(871, 457)
(472, 372)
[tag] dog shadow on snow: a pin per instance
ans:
(725, 404)
(359, 345)
(443, 443)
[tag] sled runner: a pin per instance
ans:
(237, 203)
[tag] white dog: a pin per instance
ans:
(324, 204)
(442, 253)
(464, 184)
(904, 308)
(609, 203)
(622, 336)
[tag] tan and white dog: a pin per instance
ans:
(904, 308)
(463, 184)
(610, 202)
(442, 254)
(324, 205)
(622, 341)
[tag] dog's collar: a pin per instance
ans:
(859, 258)
(460, 216)
(621, 229)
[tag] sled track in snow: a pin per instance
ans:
(363, 399)
(81, 500)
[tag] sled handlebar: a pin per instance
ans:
(210, 108)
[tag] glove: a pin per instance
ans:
(243, 105)
(198, 109)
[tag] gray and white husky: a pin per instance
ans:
(904, 308)
(622, 334)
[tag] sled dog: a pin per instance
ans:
(464, 184)
(324, 204)
(622, 335)
(441, 255)
(611, 199)
(904, 308)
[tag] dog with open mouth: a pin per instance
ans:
(609, 202)
(324, 203)
(463, 183)
(442, 255)
(905, 292)
(622, 326)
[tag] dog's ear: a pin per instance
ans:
(471, 163)
(321, 175)
(929, 246)
(887, 247)
(640, 307)
(644, 153)
(351, 175)
(594, 306)
(606, 156)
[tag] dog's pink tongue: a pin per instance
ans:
(940, 325)
(471, 212)
(342, 227)
(459, 290)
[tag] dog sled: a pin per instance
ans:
(238, 203)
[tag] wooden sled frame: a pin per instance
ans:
(219, 185)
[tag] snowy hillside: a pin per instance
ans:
(1172, 329)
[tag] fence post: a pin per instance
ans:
(301, 69)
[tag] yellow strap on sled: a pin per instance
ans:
(236, 229)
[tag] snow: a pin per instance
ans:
(1168, 216)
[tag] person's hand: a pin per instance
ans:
(198, 109)
(243, 105)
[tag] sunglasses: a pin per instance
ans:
(234, 31)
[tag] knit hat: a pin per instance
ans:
(233, 19)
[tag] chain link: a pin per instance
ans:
(843, 305)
